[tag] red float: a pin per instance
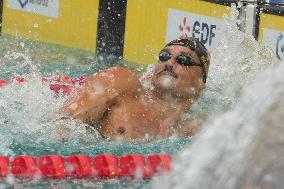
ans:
(78, 166)
(24, 166)
(132, 165)
(62, 79)
(157, 164)
(2, 83)
(52, 166)
(62, 84)
(65, 89)
(4, 166)
(106, 165)
(79, 81)
(19, 79)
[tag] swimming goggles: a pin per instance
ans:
(181, 59)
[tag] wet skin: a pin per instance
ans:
(114, 102)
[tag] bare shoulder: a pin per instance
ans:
(112, 73)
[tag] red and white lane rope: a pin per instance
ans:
(84, 166)
(58, 84)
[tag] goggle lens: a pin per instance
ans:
(164, 56)
(184, 60)
(181, 59)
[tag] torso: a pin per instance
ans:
(114, 103)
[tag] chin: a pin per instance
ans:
(162, 85)
(166, 82)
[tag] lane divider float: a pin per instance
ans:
(59, 84)
(84, 166)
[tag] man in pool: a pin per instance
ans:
(114, 102)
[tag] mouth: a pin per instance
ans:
(167, 72)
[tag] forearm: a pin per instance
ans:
(112, 83)
(100, 91)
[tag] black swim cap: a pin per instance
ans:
(201, 51)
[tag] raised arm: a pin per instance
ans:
(99, 92)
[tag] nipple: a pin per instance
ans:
(121, 130)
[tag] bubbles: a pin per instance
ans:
(146, 78)
(166, 81)
(71, 60)
(98, 90)
(10, 179)
(22, 44)
(101, 58)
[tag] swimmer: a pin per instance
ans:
(114, 102)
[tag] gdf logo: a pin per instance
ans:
(280, 47)
(200, 30)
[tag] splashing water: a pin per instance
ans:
(242, 148)
(29, 112)
(233, 65)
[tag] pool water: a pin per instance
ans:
(28, 113)
(28, 110)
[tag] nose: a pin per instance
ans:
(168, 67)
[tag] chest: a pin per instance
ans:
(137, 112)
(134, 118)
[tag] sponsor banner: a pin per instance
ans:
(271, 33)
(275, 40)
(151, 24)
(74, 26)
(204, 28)
(276, 1)
(49, 8)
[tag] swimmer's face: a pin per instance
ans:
(177, 73)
